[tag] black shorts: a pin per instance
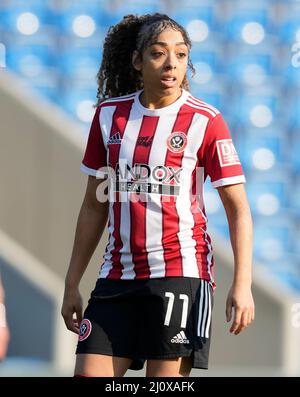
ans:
(149, 319)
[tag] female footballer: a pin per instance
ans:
(151, 146)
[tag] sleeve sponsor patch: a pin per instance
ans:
(227, 153)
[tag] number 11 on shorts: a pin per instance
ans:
(185, 306)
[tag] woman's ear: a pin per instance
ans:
(136, 61)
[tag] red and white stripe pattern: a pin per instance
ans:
(159, 237)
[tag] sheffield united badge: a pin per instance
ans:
(177, 142)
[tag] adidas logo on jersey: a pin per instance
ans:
(180, 338)
(115, 139)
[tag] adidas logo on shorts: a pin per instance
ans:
(180, 338)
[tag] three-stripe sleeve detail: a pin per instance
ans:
(205, 310)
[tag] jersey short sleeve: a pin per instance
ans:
(95, 152)
(218, 155)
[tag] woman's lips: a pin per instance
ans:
(168, 82)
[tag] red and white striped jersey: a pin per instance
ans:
(159, 159)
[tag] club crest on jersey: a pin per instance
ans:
(85, 329)
(177, 142)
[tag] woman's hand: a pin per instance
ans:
(72, 303)
(240, 297)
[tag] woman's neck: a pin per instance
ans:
(151, 100)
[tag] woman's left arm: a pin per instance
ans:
(241, 235)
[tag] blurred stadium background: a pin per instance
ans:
(247, 60)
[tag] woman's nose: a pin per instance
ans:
(170, 61)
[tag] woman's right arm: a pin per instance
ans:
(90, 226)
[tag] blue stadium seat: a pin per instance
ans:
(3, 13)
(296, 245)
(46, 85)
(136, 7)
(291, 112)
(273, 239)
(294, 152)
(255, 108)
(251, 68)
(261, 150)
(26, 17)
(290, 28)
(81, 21)
(195, 12)
(80, 62)
(205, 72)
(207, 54)
(78, 102)
(240, 20)
(113, 13)
(29, 60)
(294, 197)
(290, 68)
(268, 193)
(207, 58)
(212, 94)
(47, 89)
(287, 271)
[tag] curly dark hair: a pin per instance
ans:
(117, 76)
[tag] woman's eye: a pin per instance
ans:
(158, 54)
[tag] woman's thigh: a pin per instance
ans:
(101, 365)
(176, 367)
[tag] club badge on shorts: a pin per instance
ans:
(177, 142)
(85, 329)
